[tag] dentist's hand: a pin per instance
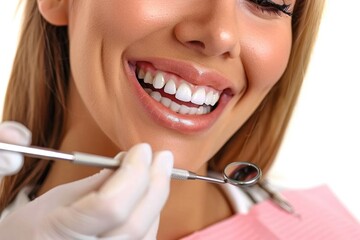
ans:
(124, 204)
(16, 133)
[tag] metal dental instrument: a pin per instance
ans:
(241, 174)
(278, 199)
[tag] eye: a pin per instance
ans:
(270, 7)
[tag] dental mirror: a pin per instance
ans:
(241, 174)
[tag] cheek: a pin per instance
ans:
(103, 30)
(265, 55)
(127, 21)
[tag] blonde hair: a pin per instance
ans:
(38, 86)
(36, 93)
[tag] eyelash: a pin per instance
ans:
(268, 6)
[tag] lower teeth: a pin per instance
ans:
(175, 107)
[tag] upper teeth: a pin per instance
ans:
(182, 90)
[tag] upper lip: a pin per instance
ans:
(192, 73)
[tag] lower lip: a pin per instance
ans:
(170, 119)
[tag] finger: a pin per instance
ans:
(12, 132)
(152, 233)
(10, 163)
(101, 210)
(35, 215)
(69, 193)
(145, 214)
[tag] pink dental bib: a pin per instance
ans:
(322, 217)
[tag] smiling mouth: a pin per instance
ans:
(175, 93)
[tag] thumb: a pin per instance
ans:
(12, 132)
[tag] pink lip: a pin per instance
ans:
(166, 117)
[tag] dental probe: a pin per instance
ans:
(107, 162)
(278, 199)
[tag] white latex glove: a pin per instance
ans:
(124, 204)
(12, 132)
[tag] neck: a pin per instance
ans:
(191, 206)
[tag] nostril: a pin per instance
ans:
(196, 44)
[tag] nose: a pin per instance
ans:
(213, 30)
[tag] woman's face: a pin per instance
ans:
(180, 75)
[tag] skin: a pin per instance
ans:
(247, 46)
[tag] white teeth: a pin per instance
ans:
(165, 101)
(159, 81)
(183, 93)
(148, 78)
(156, 96)
(141, 74)
(207, 109)
(170, 87)
(203, 110)
(193, 111)
(200, 110)
(202, 95)
(199, 96)
(215, 99)
(209, 98)
(175, 107)
(184, 109)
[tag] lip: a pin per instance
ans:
(196, 75)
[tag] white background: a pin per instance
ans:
(323, 141)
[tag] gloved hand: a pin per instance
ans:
(16, 133)
(121, 204)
